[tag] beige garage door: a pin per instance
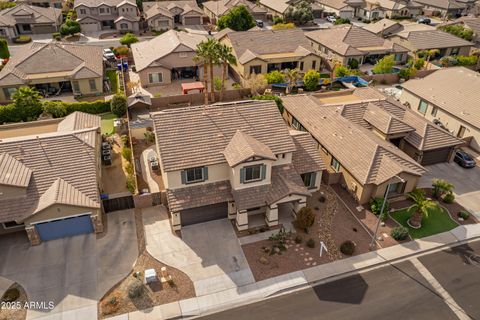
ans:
(90, 26)
(189, 21)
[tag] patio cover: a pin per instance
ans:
(186, 87)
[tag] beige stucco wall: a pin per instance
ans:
(143, 75)
(59, 211)
(451, 122)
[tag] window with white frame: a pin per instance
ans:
(155, 77)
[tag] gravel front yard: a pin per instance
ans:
(15, 313)
(117, 301)
(334, 224)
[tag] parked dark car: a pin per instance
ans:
(424, 20)
(464, 159)
(259, 23)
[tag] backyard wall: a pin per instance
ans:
(194, 99)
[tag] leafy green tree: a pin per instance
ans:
(275, 76)
(118, 105)
(70, 27)
(128, 39)
(421, 207)
(342, 71)
(4, 52)
(277, 100)
(27, 103)
(292, 75)
(407, 73)
(311, 79)
(459, 31)
(384, 65)
(353, 63)
(300, 13)
(238, 19)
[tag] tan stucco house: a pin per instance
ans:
(54, 68)
(262, 51)
(49, 181)
(216, 9)
(346, 42)
(368, 141)
(165, 15)
(121, 15)
(450, 96)
(234, 160)
(168, 57)
(27, 19)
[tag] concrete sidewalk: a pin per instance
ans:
(261, 290)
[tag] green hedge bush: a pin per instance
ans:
(399, 233)
(22, 39)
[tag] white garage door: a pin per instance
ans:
(90, 26)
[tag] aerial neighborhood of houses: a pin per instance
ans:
(178, 158)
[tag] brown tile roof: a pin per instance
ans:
(381, 25)
(25, 13)
(384, 121)
(197, 136)
(153, 8)
(198, 195)
(96, 3)
(277, 5)
(79, 120)
(46, 59)
(350, 40)
(306, 158)
(285, 181)
(336, 4)
(454, 90)
(424, 136)
(220, 7)
(50, 156)
(433, 39)
(149, 53)
(359, 150)
(13, 172)
(443, 4)
(248, 45)
(242, 146)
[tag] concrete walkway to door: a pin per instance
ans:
(209, 253)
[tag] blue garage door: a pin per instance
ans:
(64, 228)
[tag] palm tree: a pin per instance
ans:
(441, 187)
(213, 48)
(421, 207)
(292, 75)
(431, 53)
(226, 57)
(202, 56)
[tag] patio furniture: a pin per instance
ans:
(189, 86)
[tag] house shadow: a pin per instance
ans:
(350, 290)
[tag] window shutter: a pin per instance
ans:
(184, 176)
(242, 175)
(205, 173)
(263, 171)
(313, 178)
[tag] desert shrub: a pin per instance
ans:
(135, 289)
(305, 218)
(125, 140)
(121, 51)
(57, 36)
(282, 26)
(10, 295)
(376, 206)
(347, 247)
(449, 198)
(129, 168)
(464, 214)
(277, 20)
(149, 136)
(342, 21)
(217, 83)
(311, 243)
(298, 239)
(419, 63)
(130, 183)
(311, 79)
(399, 233)
(275, 76)
(467, 60)
(22, 39)
(127, 154)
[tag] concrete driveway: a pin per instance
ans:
(466, 182)
(209, 253)
(73, 273)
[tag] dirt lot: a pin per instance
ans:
(113, 176)
(334, 224)
(117, 301)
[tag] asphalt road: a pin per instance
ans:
(396, 291)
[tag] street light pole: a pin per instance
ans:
(379, 219)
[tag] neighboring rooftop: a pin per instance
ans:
(336, 4)
(443, 4)
(24, 13)
(432, 39)
(264, 44)
(365, 155)
(146, 53)
(57, 167)
(381, 25)
(211, 128)
(350, 40)
(96, 3)
(455, 90)
(277, 5)
(220, 7)
(43, 60)
(152, 8)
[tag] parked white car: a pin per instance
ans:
(331, 19)
(108, 54)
